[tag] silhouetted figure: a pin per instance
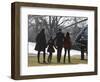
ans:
(83, 47)
(59, 44)
(67, 46)
(41, 44)
(50, 49)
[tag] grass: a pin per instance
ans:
(32, 60)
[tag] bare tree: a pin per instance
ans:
(53, 23)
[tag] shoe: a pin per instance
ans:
(38, 61)
(44, 61)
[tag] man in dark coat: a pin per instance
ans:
(59, 44)
(83, 47)
(41, 45)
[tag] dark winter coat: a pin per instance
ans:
(40, 42)
(67, 42)
(59, 39)
(50, 46)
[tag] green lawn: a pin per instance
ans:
(32, 61)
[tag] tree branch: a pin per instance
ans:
(75, 23)
(63, 22)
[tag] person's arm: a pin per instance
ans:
(37, 37)
(54, 40)
(55, 46)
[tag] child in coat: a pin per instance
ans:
(50, 49)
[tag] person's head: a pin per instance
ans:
(67, 34)
(42, 31)
(59, 30)
(50, 37)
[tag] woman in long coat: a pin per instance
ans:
(41, 44)
(67, 46)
